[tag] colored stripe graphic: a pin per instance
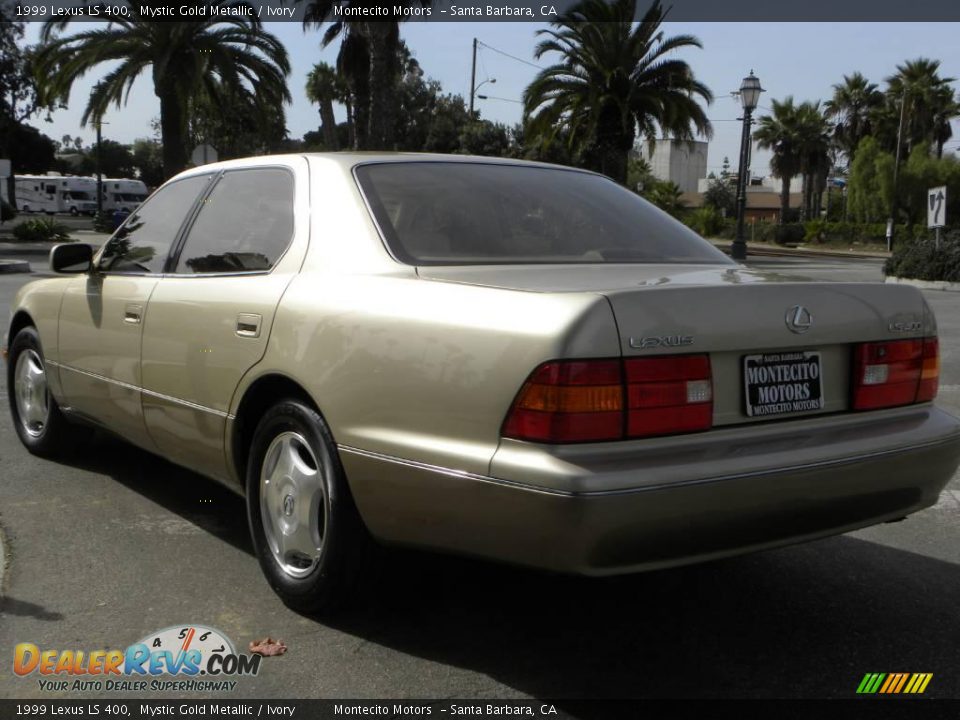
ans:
(894, 683)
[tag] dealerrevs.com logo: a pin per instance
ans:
(182, 658)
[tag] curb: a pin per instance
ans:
(925, 284)
(14, 266)
(23, 251)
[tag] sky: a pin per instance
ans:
(799, 59)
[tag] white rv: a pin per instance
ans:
(122, 194)
(56, 194)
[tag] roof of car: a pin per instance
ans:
(350, 159)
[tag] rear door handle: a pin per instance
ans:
(248, 325)
(133, 313)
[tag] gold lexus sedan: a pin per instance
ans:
(504, 359)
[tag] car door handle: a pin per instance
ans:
(133, 314)
(248, 325)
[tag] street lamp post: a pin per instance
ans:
(749, 96)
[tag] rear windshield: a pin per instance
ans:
(450, 213)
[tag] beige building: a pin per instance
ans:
(682, 162)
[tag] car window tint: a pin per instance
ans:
(449, 213)
(245, 225)
(143, 242)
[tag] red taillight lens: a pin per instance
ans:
(668, 395)
(900, 372)
(930, 372)
(569, 401)
(583, 400)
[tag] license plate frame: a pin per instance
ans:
(783, 383)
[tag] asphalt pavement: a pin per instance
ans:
(116, 543)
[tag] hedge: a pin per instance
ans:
(923, 260)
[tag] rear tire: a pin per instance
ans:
(311, 543)
(40, 425)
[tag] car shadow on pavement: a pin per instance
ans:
(806, 621)
(199, 500)
(20, 608)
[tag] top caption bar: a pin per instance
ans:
(854, 11)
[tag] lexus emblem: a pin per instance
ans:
(798, 319)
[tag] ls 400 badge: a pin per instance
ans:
(666, 341)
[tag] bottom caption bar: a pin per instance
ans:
(847, 709)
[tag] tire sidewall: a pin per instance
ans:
(28, 339)
(326, 583)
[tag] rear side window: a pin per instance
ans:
(245, 225)
(449, 213)
(143, 243)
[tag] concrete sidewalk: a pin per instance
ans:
(771, 250)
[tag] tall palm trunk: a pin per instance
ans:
(351, 125)
(328, 123)
(361, 111)
(784, 198)
(612, 145)
(382, 38)
(172, 130)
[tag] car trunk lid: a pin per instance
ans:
(751, 324)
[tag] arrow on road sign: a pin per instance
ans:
(937, 207)
(936, 202)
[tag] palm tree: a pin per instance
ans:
(799, 136)
(778, 132)
(928, 103)
(369, 59)
(853, 108)
(615, 80)
(814, 136)
(219, 56)
(323, 88)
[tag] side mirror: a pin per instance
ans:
(71, 258)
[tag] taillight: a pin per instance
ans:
(667, 395)
(899, 372)
(930, 372)
(569, 401)
(598, 400)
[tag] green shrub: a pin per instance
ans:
(922, 260)
(103, 222)
(707, 221)
(815, 231)
(41, 230)
(789, 234)
(7, 211)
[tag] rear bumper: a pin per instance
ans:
(690, 500)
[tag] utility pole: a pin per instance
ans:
(896, 171)
(473, 77)
(99, 170)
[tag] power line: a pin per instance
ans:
(506, 54)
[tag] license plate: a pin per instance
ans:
(783, 383)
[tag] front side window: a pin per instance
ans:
(456, 213)
(142, 243)
(245, 225)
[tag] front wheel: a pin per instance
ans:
(74, 212)
(37, 418)
(309, 538)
